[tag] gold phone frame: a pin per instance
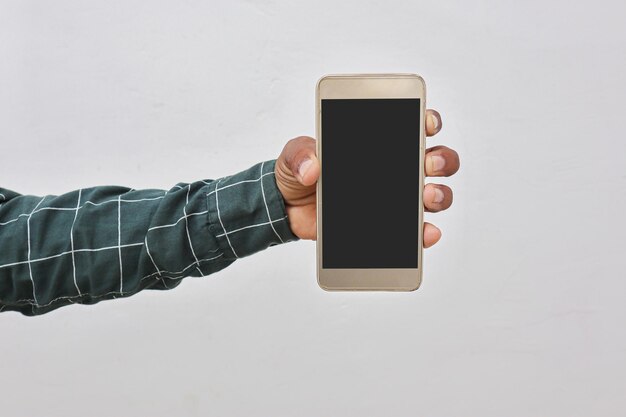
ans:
(370, 86)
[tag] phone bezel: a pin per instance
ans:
(346, 86)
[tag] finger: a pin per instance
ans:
(303, 221)
(431, 235)
(300, 156)
(437, 197)
(433, 122)
(441, 161)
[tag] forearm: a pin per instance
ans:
(107, 242)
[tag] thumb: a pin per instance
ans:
(301, 158)
(308, 170)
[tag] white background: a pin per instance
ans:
(523, 305)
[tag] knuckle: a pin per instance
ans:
(294, 144)
(303, 139)
(296, 149)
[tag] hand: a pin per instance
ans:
(297, 170)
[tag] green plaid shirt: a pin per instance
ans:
(107, 242)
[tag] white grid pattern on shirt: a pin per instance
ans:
(73, 208)
(118, 247)
(72, 241)
(160, 273)
(119, 240)
(193, 252)
(237, 183)
(267, 209)
(251, 226)
(217, 205)
(30, 269)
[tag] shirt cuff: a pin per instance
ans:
(247, 212)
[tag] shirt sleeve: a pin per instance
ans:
(108, 242)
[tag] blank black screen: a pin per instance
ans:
(370, 183)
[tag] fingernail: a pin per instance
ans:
(304, 167)
(439, 196)
(438, 163)
(435, 120)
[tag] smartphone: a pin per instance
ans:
(370, 131)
